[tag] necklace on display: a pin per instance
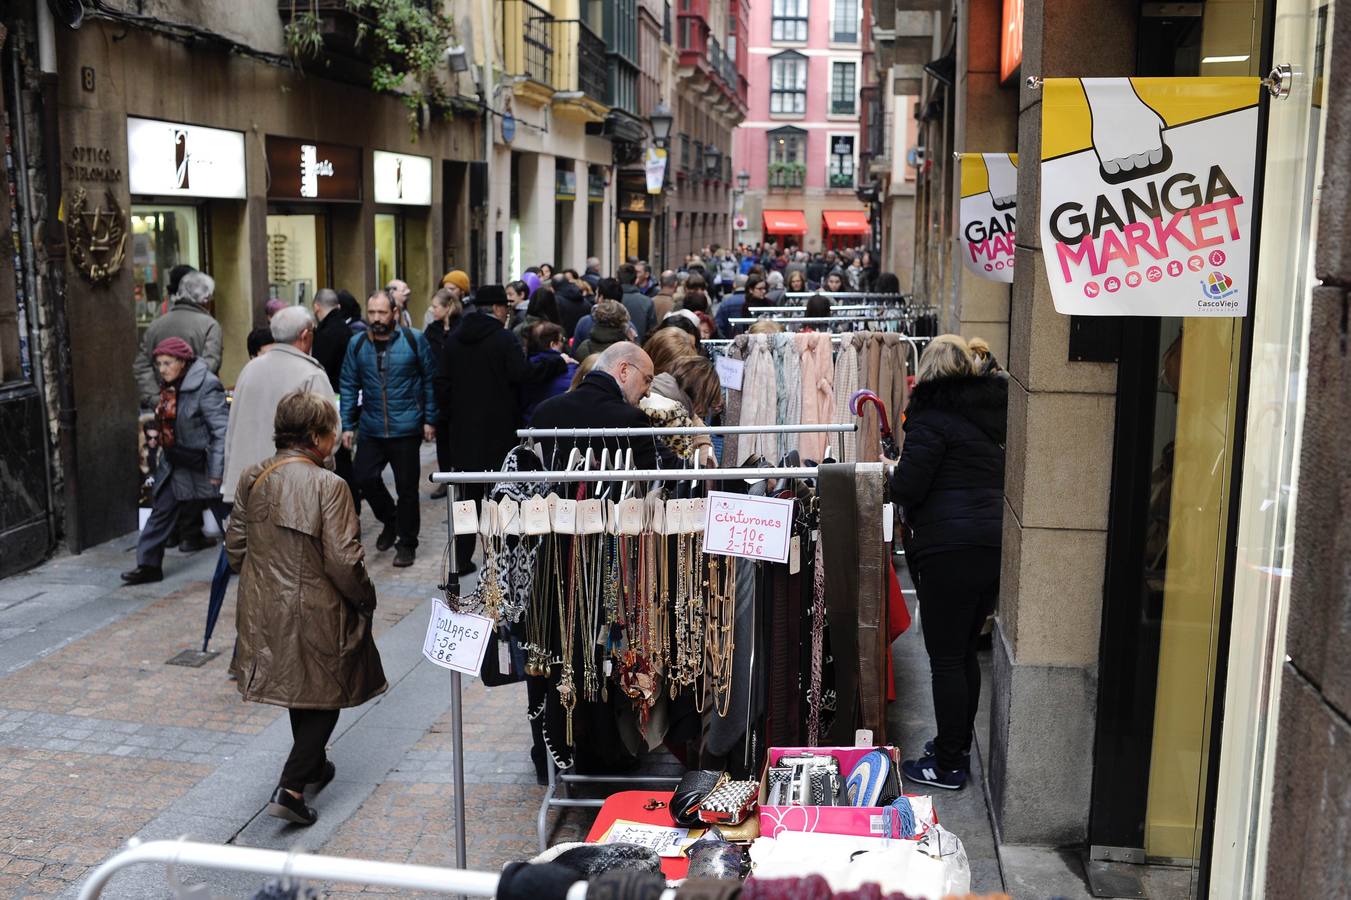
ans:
(720, 643)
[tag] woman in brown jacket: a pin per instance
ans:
(305, 600)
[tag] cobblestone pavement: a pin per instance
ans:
(101, 740)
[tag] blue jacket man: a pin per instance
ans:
(391, 369)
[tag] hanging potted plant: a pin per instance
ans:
(403, 41)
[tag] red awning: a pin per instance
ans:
(845, 221)
(785, 221)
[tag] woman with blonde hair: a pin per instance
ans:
(949, 484)
(668, 344)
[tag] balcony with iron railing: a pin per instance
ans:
(579, 60)
(786, 176)
(702, 53)
(528, 48)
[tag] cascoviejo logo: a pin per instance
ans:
(1218, 286)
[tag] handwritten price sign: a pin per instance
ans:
(456, 640)
(751, 527)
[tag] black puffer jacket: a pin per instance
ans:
(950, 481)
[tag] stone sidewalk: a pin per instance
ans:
(101, 740)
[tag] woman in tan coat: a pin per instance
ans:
(305, 600)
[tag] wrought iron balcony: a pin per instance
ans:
(579, 59)
(787, 175)
(527, 41)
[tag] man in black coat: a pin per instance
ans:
(330, 347)
(572, 306)
(479, 373)
(608, 397)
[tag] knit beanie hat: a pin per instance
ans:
(610, 312)
(457, 278)
(176, 347)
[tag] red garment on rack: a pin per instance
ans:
(898, 621)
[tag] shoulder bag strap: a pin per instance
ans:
(272, 468)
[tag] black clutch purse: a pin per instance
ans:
(691, 791)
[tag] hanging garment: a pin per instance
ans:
(870, 377)
(846, 383)
(892, 389)
(787, 358)
(817, 373)
(732, 414)
(874, 566)
(759, 399)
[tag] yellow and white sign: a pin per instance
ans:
(1146, 194)
(989, 214)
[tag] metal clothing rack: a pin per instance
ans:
(558, 782)
(306, 866)
(916, 343)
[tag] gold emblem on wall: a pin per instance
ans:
(97, 237)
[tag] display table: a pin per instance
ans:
(628, 806)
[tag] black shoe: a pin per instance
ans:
(386, 538)
(192, 545)
(284, 806)
(403, 557)
(324, 778)
(966, 757)
(466, 570)
(143, 575)
(440, 492)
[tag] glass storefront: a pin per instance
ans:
(297, 255)
(389, 238)
(1197, 575)
(162, 236)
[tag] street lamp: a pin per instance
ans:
(661, 121)
(743, 180)
(712, 159)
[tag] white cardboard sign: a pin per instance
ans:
(750, 527)
(456, 640)
(730, 372)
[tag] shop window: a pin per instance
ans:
(789, 22)
(844, 22)
(787, 157)
(388, 248)
(842, 89)
(841, 174)
(297, 256)
(161, 237)
(788, 84)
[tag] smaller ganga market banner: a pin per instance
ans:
(1146, 194)
(989, 213)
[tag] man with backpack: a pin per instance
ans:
(391, 368)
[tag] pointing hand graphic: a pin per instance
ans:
(1127, 134)
(1003, 180)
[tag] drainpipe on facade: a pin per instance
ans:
(492, 276)
(18, 129)
(54, 239)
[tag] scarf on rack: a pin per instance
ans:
(759, 399)
(817, 372)
(870, 377)
(732, 414)
(895, 355)
(846, 383)
(788, 358)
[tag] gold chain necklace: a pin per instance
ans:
(721, 636)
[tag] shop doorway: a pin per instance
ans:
(163, 236)
(299, 255)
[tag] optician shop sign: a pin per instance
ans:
(313, 170)
(170, 159)
(989, 214)
(403, 179)
(1146, 194)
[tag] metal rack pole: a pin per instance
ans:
(685, 429)
(456, 696)
(307, 866)
(809, 320)
(622, 475)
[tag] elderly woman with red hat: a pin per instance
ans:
(191, 415)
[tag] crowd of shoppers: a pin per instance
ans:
(334, 388)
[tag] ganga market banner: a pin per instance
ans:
(1146, 194)
(989, 213)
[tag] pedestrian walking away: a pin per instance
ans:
(305, 598)
(391, 368)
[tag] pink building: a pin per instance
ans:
(800, 141)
